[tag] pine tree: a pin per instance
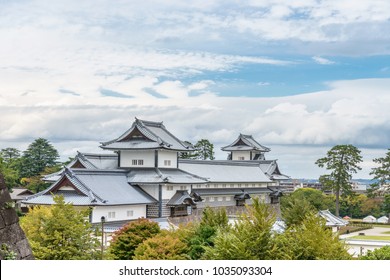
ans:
(39, 155)
(342, 161)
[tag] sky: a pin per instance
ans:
(300, 76)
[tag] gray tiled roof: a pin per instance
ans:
(89, 161)
(332, 220)
(231, 191)
(157, 137)
(245, 143)
(226, 171)
(95, 188)
(179, 198)
(163, 175)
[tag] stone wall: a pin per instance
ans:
(13, 242)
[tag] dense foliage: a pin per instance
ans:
(378, 254)
(39, 155)
(126, 240)
(60, 232)
(27, 168)
(163, 246)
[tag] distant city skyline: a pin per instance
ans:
(300, 76)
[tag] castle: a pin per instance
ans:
(143, 176)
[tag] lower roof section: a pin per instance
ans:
(163, 176)
(226, 171)
(93, 187)
(231, 191)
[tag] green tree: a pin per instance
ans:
(163, 246)
(342, 161)
(39, 155)
(316, 198)
(378, 254)
(188, 155)
(310, 240)
(60, 232)
(11, 175)
(204, 150)
(249, 238)
(382, 172)
(35, 183)
(295, 211)
(10, 166)
(126, 240)
(204, 232)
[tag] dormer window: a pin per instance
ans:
(137, 162)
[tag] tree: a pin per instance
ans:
(310, 240)
(378, 254)
(315, 198)
(11, 176)
(342, 161)
(249, 238)
(35, 183)
(10, 166)
(39, 155)
(126, 240)
(9, 155)
(60, 232)
(204, 150)
(295, 211)
(163, 246)
(382, 172)
(204, 232)
(188, 155)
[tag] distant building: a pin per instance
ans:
(144, 177)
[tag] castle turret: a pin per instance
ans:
(246, 148)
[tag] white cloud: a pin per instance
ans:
(323, 61)
(344, 114)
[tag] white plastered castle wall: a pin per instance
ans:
(236, 155)
(122, 212)
(127, 158)
(167, 159)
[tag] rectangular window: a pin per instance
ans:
(137, 162)
(215, 185)
(169, 188)
(241, 158)
(207, 186)
(167, 162)
(232, 185)
(253, 185)
(239, 185)
(183, 187)
(223, 185)
(130, 213)
(111, 215)
(246, 185)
